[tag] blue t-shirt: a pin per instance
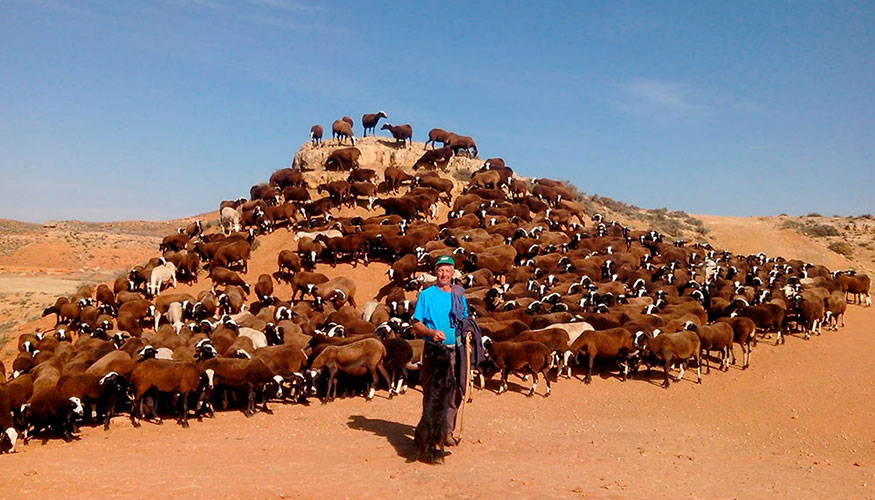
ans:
(433, 310)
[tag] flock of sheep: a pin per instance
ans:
(549, 284)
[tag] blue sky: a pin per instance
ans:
(151, 110)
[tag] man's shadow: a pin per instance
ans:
(399, 435)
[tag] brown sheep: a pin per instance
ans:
(341, 129)
(434, 159)
(437, 135)
(343, 159)
(671, 348)
(716, 337)
(369, 121)
(305, 282)
(288, 261)
(461, 143)
(610, 343)
(286, 177)
(396, 177)
(222, 276)
(264, 288)
(355, 359)
(366, 190)
(171, 377)
(528, 357)
(744, 330)
(402, 133)
(316, 134)
(336, 290)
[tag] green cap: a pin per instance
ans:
(445, 259)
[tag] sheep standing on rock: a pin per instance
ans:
(401, 133)
(342, 129)
(316, 135)
(369, 121)
(437, 135)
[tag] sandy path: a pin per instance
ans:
(797, 424)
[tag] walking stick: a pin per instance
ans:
(466, 370)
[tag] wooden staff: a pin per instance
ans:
(466, 370)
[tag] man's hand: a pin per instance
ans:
(437, 335)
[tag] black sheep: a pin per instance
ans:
(432, 432)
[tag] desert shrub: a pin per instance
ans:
(697, 224)
(678, 214)
(791, 224)
(576, 194)
(588, 206)
(663, 224)
(814, 214)
(616, 206)
(820, 230)
(463, 174)
(841, 247)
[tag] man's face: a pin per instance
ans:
(444, 275)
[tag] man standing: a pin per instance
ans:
(441, 318)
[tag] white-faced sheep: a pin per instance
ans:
(369, 121)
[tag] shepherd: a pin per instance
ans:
(452, 346)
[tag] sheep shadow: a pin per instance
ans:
(392, 143)
(399, 435)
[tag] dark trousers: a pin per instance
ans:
(425, 372)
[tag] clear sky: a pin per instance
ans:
(159, 109)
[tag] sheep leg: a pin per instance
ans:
(666, 368)
(136, 412)
(330, 391)
(504, 373)
(264, 399)
(153, 410)
(183, 411)
(534, 382)
(250, 401)
(567, 364)
(590, 360)
(746, 349)
(707, 362)
(546, 381)
(110, 410)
